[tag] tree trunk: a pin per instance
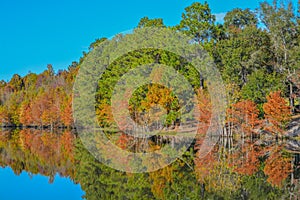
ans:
(202, 190)
(291, 98)
(201, 82)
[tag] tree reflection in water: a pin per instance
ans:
(234, 169)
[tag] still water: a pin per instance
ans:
(38, 164)
(28, 186)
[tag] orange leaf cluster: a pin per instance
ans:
(277, 168)
(277, 112)
(205, 111)
(244, 115)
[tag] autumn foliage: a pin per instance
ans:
(244, 116)
(278, 167)
(38, 152)
(246, 160)
(277, 112)
(204, 111)
(38, 100)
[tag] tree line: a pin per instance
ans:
(256, 52)
(38, 100)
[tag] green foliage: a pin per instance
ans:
(101, 182)
(146, 22)
(198, 22)
(242, 53)
(260, 84)
(138, 100)
(16, 82)
(280, 21)
(238, 18)
(96, 43)
(253, 62)
(39, 152)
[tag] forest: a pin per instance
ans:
(256, 52)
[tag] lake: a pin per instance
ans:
(39, 164)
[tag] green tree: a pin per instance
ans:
(281, 23)
(198, 22)
(16, 82)
(96, 43)
(238, 18)
(242, 53)
(260, 84)
(146, 22)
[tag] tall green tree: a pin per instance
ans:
(242, 53)
(198, 22)
(238, 18)
(281, 23)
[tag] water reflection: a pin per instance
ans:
(38, 152)
(28, 186)
(234, 169)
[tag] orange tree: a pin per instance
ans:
(277, 113)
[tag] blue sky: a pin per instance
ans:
(35, 33)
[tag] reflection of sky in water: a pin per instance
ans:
(15, 187)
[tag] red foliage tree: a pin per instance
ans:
(25, 114)
(66, 114)
(276, 112)
(205, 111)
(244, 115)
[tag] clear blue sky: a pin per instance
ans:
(35, 33)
